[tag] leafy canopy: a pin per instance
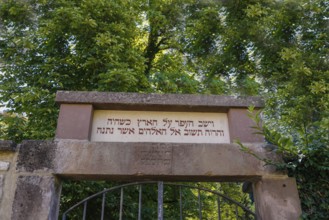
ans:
(276, 49)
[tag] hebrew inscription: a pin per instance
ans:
(156, 155)
(160, 127)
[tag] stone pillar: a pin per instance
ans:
(277, 198)
(36, 197)
(37, 189)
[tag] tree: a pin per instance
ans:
(59, 45)
(290, 42)
(299, 103)
(276, 49)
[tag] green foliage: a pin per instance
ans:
(65, 45)
(305, 157)
(276, 49)
(12, 127)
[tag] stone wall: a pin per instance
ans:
(28, 188)
(7, 177)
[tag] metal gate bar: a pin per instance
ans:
(200, 205)
(218, 208)
(84, 210)
(160, 200)
(180, 203)
(103, 206)
(121, 203)
(140, 203)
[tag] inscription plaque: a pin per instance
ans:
(152, 157)
(163, 127)
(156, 155)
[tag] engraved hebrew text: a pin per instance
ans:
(146, 126)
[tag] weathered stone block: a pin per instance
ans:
(157, 102)
(36, 197)
(36, 156)
(277, 198)
(240, 127)
(74, 122)
(169, 161)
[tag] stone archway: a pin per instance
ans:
(35, 168)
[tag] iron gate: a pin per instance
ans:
(240, 211)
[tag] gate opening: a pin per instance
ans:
(157, 200)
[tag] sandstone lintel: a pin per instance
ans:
(161, 102)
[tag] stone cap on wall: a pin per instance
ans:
(155, 102)
(6, 145)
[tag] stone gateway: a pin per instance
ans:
(136, 137)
